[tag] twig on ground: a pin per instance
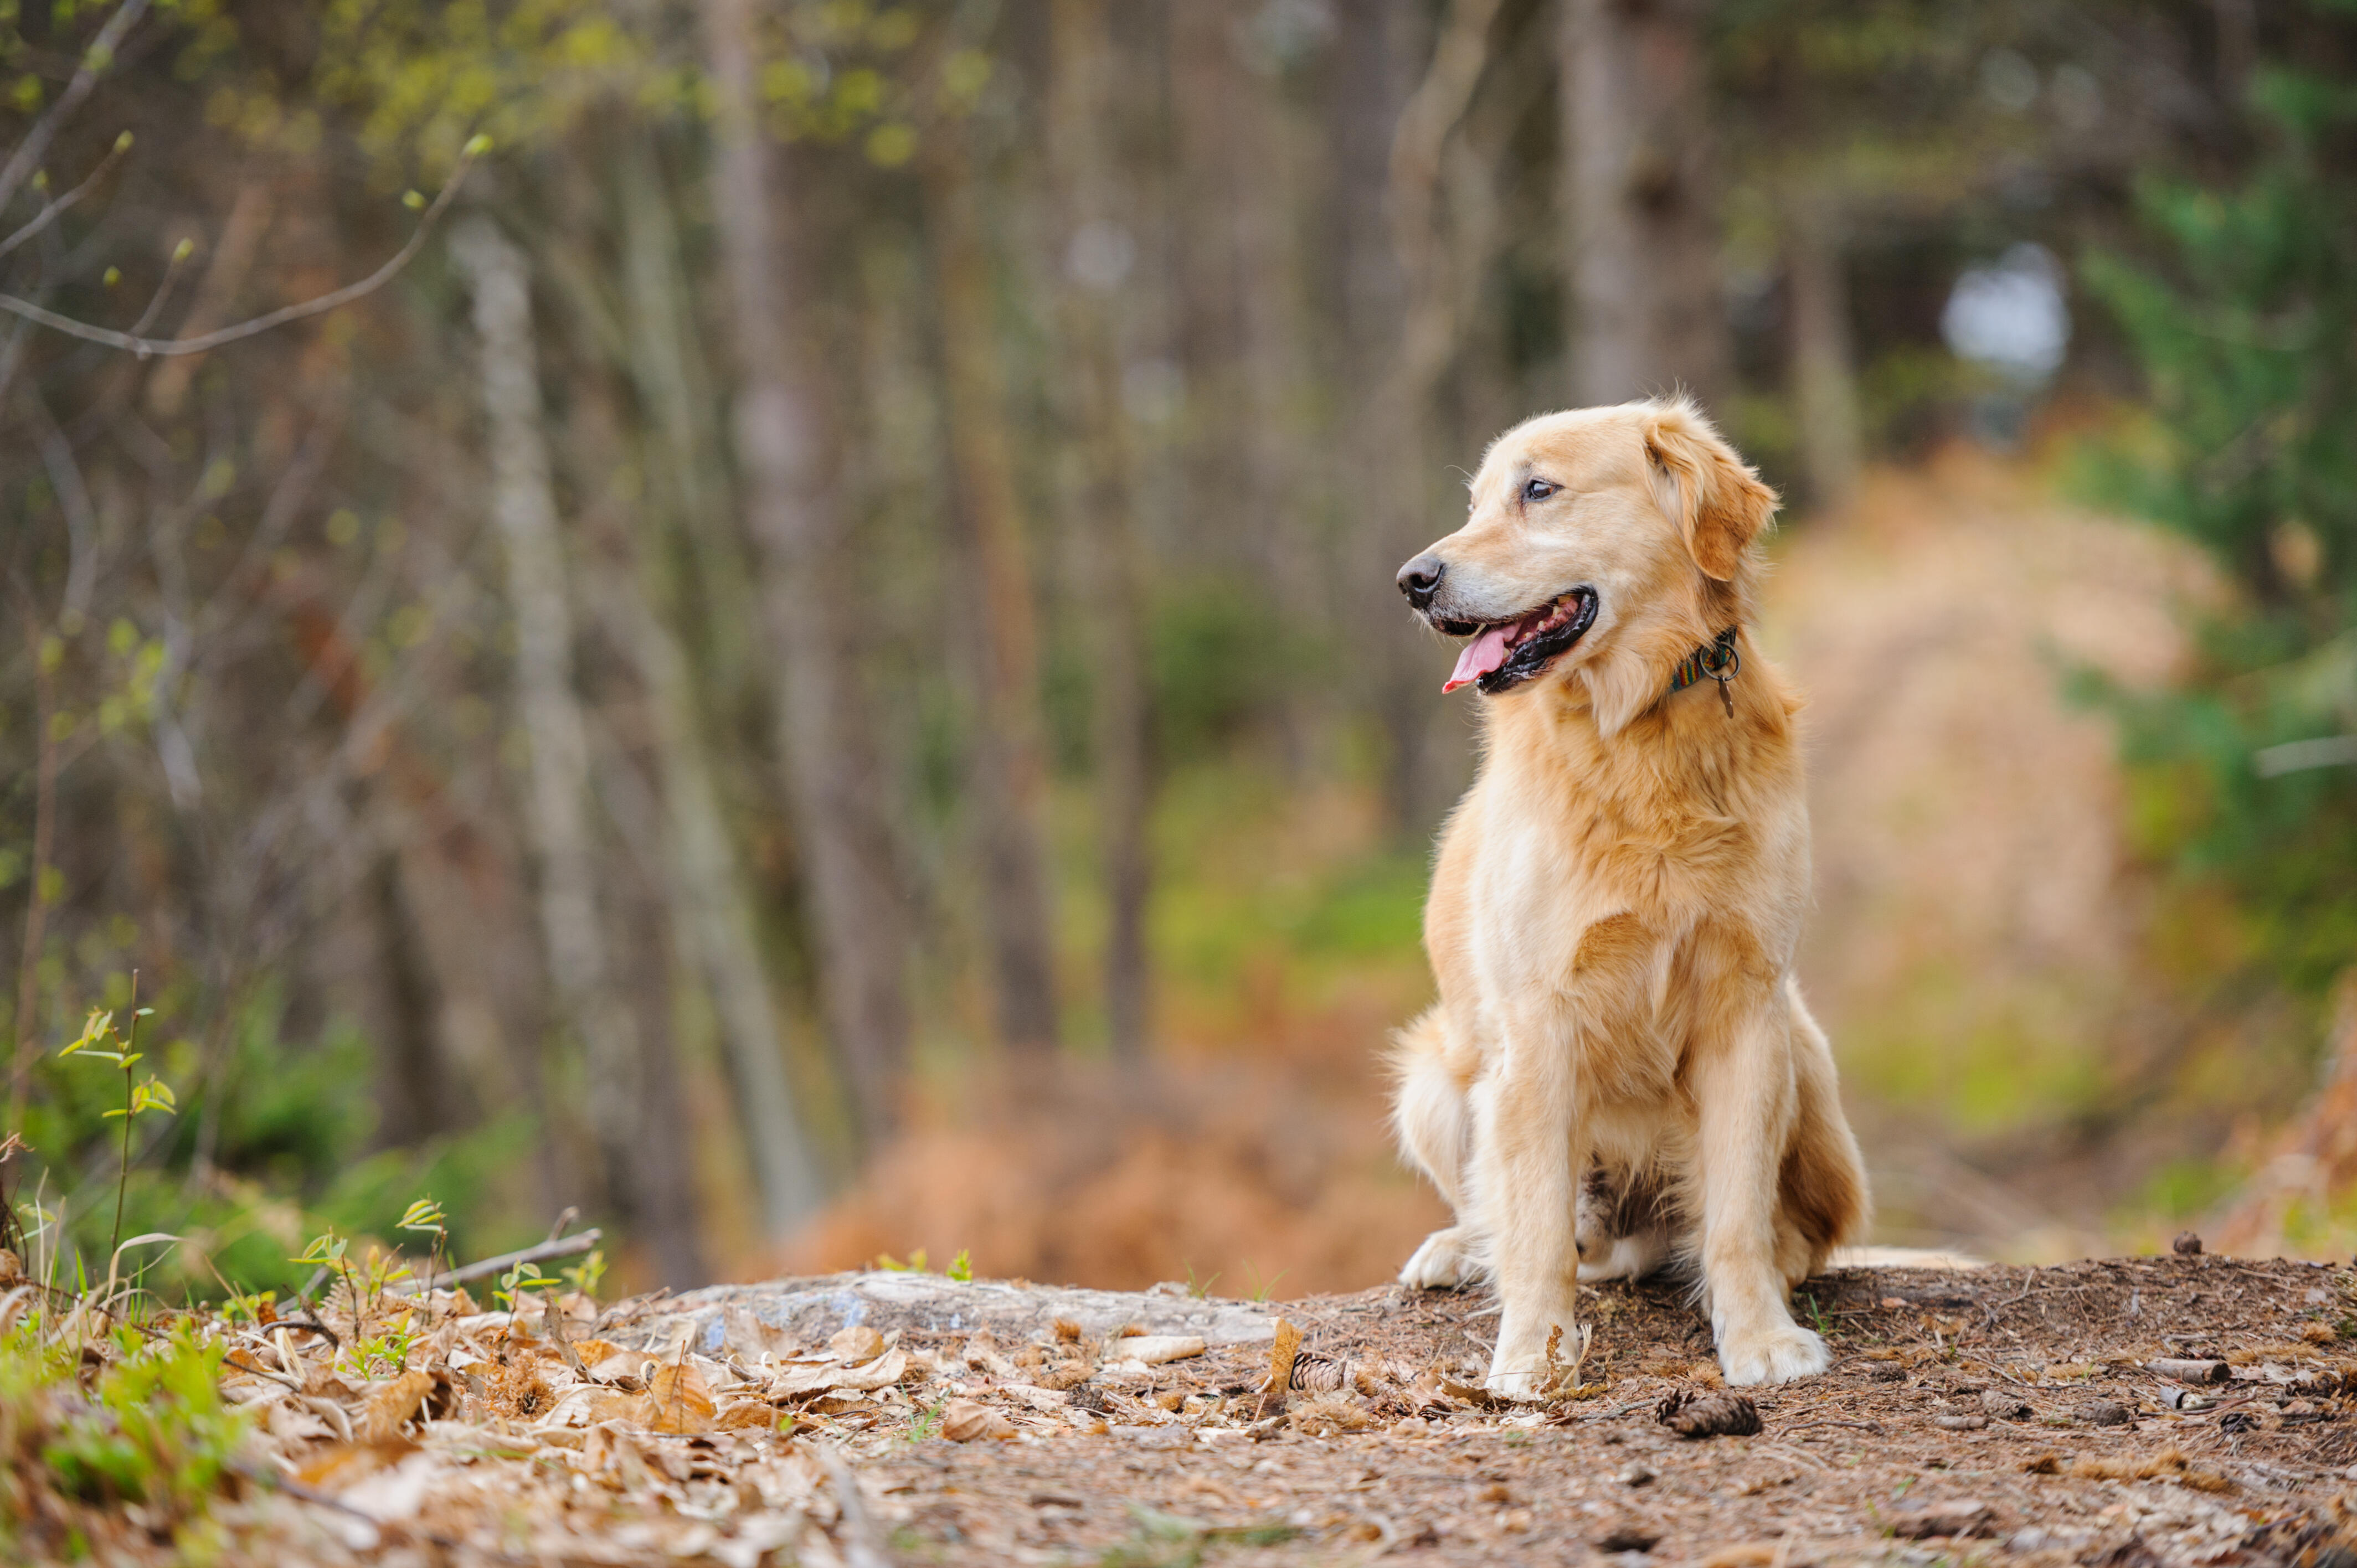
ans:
(566, 1247)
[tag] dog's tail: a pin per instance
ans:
(1429, 1111)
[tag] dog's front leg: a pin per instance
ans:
(1527, 1159)
(1743, 1082)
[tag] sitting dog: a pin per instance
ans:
(1619, 1070)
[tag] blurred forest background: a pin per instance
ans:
(817, 675)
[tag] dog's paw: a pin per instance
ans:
(1443, 1262)
(1516, 1383)
(1771, 1355)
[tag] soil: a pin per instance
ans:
(2003, 1409)
(2116, 1413)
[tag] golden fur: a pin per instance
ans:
(1619, 1055)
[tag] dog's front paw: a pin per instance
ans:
(1771, 1355)
(1518, 1367)
(1516, 1383)
(1443, 1262)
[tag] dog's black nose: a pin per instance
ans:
(1420, 579)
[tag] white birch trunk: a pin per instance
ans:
(850, 875)
(523, 508)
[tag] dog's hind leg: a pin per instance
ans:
(1434, 1126)
(1822, 1196)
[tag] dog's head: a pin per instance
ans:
(1603, 546)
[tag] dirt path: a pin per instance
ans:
(2009, 1406)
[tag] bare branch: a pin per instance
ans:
(566, 1247)
(180, 254)
(169, 346)
(96, 59)
(58, 208)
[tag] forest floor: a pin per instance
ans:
(2009, 1406)
(2134, 1411)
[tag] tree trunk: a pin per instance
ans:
(1011, 748)
(1825, 382)
(23, 1050)
(1422, 331)
(1646, 313)
(524, 510)
(850, 867)
(1104, 521)
(648, 602)
(1244, 326)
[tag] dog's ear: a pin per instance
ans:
(1713, 495)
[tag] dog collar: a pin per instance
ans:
(1717, 659)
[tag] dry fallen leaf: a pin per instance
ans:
(806, 1378)
(392, 1403)
(679, 1399)
(348, 1463)
(966, 1420)
(748, 1415)
(882, 1372)
(857, 1344)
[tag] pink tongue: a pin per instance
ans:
(1480, 656)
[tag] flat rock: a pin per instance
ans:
(776, 1315)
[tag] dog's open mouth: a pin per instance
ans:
(1505, 653)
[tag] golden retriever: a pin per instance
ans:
(1619, 1070)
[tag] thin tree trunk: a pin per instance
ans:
(1643, 254)
(1423, 335)
(1105, 524)
(1245, 329)
(36, 904)
(842, 833)
(716, 911)
(1011, 749)
(1824, 380)
(524, 509)
(704, 889)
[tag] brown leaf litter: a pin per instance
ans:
(1353, 1427)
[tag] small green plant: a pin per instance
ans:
(961, 1267)
(155, 1431)
(425, 1217)
(326, 1250)
(927, 1422)
(1263, 1288)
(386, 1352)
(1197, 1288)
(250, 1306)
(523, 1278)
(379, 1274)
(102, 1041)
(586, 1275)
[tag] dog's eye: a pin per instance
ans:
(1538, 489)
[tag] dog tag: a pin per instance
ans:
(1726, 696)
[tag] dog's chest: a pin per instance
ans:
(1598, 942)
